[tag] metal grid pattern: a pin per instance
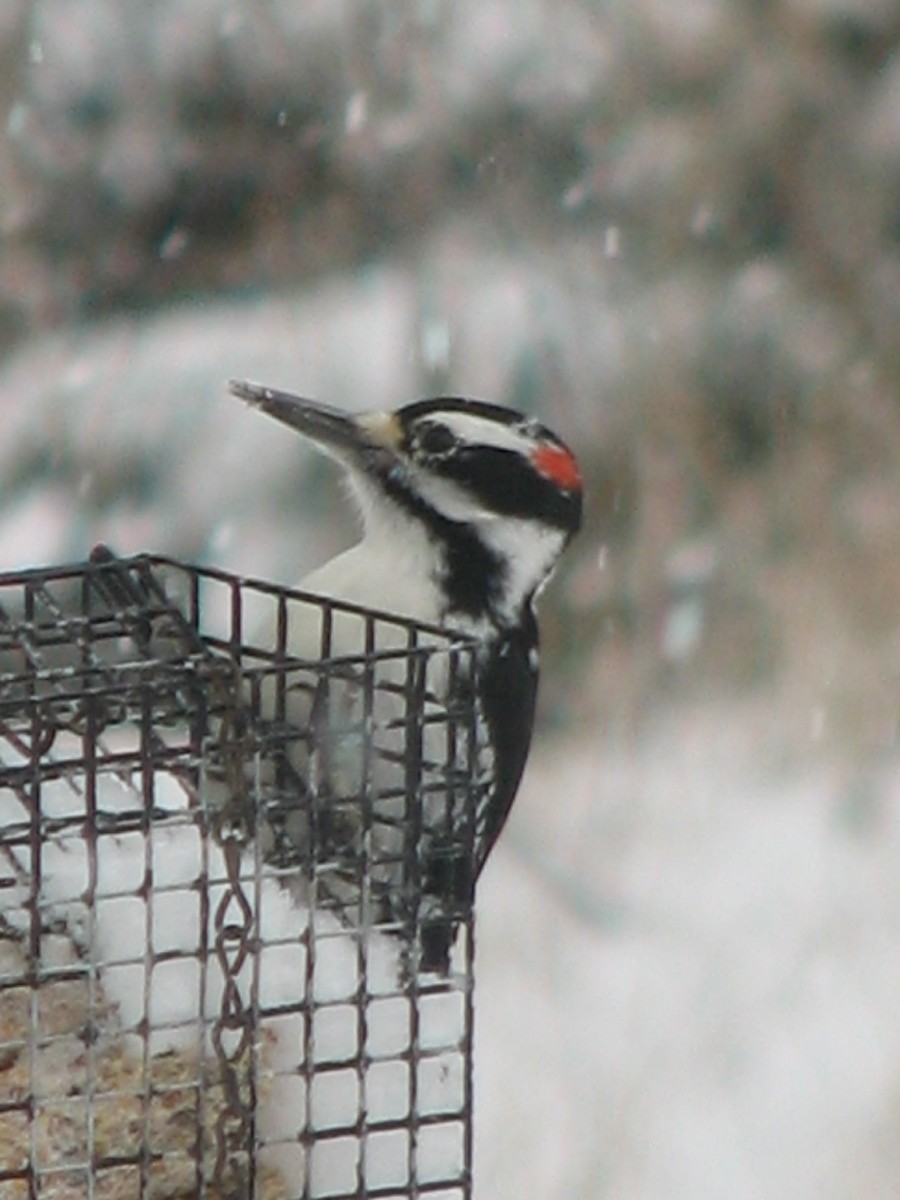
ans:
(212, 891)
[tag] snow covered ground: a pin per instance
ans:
(708, 1006)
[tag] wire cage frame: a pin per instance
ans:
(223, 805)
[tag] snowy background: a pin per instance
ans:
(671, 228)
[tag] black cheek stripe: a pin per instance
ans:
(474, 575)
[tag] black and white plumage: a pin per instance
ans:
(466, 508)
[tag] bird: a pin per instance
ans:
(364, 815)
(466, 507)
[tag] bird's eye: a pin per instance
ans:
(435, 439)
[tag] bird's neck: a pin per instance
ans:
(413, 577)
(416, 563)
(392, 576)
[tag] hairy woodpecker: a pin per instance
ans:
(466, 508)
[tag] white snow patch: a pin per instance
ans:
(725, 1023)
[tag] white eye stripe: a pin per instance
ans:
(480, 431)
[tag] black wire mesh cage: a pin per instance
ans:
(235, 918)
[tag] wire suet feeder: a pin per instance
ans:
(212, 918)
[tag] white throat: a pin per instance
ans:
(398, 574)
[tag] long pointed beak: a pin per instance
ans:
(365, 439)
(330, 427)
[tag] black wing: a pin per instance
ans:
(508, 689)
(507, 678)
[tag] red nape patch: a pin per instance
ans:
(558, 465)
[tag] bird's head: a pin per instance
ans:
(496, 491)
